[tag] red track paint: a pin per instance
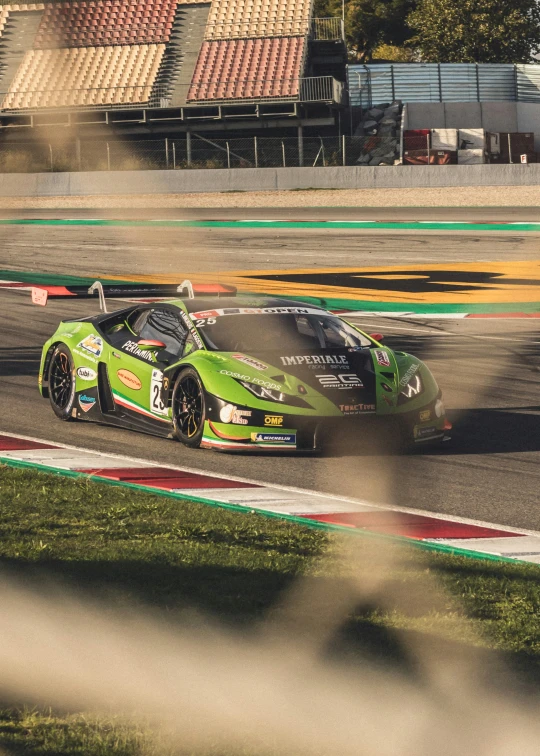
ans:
(162, 477)
(7, 443)
(410, 525)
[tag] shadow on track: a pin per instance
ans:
(20, 361)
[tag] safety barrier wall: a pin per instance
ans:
(264, 179)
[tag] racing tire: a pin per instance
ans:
(62, 383)
(188, 408)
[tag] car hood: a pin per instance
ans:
(346, 376)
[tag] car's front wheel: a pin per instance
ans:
(188, 408)
(62, 383)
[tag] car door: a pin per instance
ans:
(157, 337)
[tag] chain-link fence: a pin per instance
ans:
(197, 151)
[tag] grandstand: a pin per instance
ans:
(170, 60)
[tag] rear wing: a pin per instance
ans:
(42, 293)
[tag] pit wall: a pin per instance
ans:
(491, 116)
(263, 179)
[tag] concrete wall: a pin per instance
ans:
(261, 179)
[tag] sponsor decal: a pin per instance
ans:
(273, 420)
(425, 415)
(337, 361)
(340, 381)
(356, 409)
(255, 364)
(86, 374)
(231, 414)
(166, 382)
(249, 379)
(129, 379)
(92, 344)
(205, 314)
(86, 402)
(156, 405)
(274, 438)
(196, 338)
(424, 432)
(85, 356)
(408, 375)
(40, 378)
(133, 348)
(382, 357)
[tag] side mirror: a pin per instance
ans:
(377, 336)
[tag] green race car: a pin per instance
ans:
(242, 373)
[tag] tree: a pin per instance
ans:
(370, 23)
(476, 31)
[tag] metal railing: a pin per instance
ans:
(443, 82)
(305, 89)
(329, 29)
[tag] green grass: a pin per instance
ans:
(166, 554)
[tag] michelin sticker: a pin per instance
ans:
(274, 438)
(92, 344)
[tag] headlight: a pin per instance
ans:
(411, 390)
(264, 393)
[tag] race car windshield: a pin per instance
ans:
(277, 331)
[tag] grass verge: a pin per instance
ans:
(141, 549)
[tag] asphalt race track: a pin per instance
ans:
(489, 370)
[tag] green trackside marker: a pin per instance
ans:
(359, 225)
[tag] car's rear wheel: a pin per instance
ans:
(188, 408)
(62, 383)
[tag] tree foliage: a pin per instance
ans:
(476, 31)
(370, 23)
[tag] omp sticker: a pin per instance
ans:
(273, 420)
(86, 374)
(382, 357)
(156, 405)
(425, 415)
(92, 344)
(129, 379)
(86, 402)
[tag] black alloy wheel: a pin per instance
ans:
(62, 383)
(188, 408)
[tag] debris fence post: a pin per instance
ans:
(255, 149)
(228, 156)
(344, 159)
(108, 157)
(51, 157)
(188, 147)
(283, 153)
(166, 152)
(174, 155)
